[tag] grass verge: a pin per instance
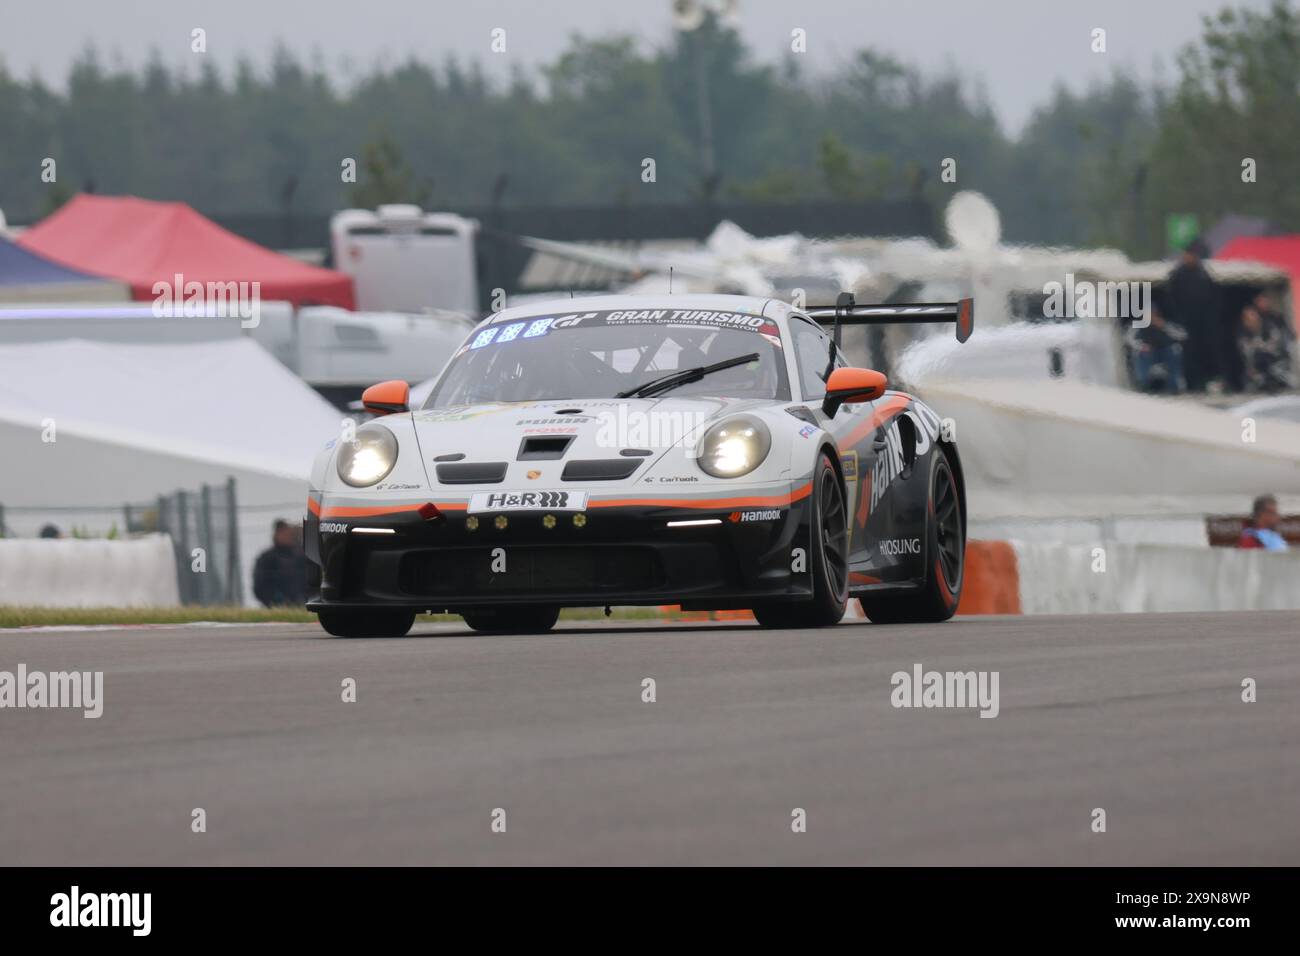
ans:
(12, 616)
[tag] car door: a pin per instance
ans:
(849, 427)
(870, 445)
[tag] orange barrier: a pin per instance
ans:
(992, 583)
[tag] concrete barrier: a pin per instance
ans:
(1020, 577)
(68, 572)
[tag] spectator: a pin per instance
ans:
(51, 531)
(280, 574)
(1158, 355)
(1266, 306)
(1265, 360)
(1262, 531)
(1193, 300)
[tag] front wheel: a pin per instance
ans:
(828, 563)
(525, 619)
(355, 623)
(945, 557)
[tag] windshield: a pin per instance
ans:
(599, 354)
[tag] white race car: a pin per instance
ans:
(710, 451)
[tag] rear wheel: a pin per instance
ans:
(828, 562)
(354, 623)
(945, 555)
(525, 619)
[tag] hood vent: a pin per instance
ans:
(472, 473)
(600, 469)
(544, 447)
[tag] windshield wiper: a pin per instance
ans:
(685, 376)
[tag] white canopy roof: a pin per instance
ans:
(227, 403)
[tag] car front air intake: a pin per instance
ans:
(600, 469)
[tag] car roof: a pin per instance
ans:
(750, 304)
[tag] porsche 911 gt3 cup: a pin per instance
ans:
(709, 451)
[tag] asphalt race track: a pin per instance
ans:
(1139, 715)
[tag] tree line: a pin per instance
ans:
(1102, 166)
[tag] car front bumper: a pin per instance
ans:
(689, 553)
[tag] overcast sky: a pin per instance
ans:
(1017, 48)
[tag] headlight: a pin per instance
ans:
(369, 458)
(734, 447)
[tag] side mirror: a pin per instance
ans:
(852, 385)
(387, 397)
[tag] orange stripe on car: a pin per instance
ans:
(760, 501)
(755, 501)
(879, 415)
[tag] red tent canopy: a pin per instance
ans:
(141, 242)
(1280, 251)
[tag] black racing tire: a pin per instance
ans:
(828, 561)
(507, 619)
(945, 556)
(349, 622)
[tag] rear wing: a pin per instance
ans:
(847, 312)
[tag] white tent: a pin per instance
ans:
(1058, 459)
(129, 422)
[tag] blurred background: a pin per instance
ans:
(1115, 185)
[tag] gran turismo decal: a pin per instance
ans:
(730, 320)
(501, 331)
(542, 324)
(807, 431)
(528, 501)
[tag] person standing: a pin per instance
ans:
(1193, 302)
(280, 574)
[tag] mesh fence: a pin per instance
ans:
(205, 533)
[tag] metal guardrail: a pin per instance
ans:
(204, 528)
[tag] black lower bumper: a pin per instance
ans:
(615, 556)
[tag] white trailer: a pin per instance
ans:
(403, 259)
